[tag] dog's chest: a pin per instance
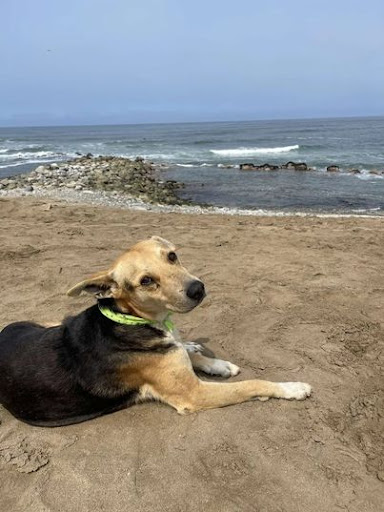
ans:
(173, 337)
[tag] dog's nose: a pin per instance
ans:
(196, 290)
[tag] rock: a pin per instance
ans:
(54, 166)
(262, 167)
(288, 165)
(375, 172)
(354, 171)
(29, 188)
(297, 166)
(247, 167)
(301, 166)
(333, 168)
(88, 156)
(139, 159)
(40, 169)
(267, 167)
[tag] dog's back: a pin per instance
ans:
(39, 383)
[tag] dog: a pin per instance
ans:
(122, 350)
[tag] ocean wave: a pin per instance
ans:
(253, 151)
(204, 164)
(24, 162)
(21, 158)
(161, 156)
(26, 155)
(12, 165)
(365, 210)
(366, 175)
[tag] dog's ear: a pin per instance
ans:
(163, 241)
(101, 285)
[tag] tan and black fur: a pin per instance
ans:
(90, 365)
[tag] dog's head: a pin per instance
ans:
(148, 280)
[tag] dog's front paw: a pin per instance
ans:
(295, 390)
(192, 347)
(221, 368)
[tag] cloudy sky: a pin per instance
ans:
(133, 61)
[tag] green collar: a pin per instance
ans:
(123, 318)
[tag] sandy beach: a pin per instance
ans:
(289, 298)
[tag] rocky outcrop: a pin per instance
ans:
(296, 166)
(139, 179)
(333, 168)
(263, 167)
(247, 167)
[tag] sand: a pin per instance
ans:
(289, 299)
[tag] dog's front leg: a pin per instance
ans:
(213, 366)
(209, 365)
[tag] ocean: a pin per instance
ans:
(198, 154)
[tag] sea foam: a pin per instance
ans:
(253, 151)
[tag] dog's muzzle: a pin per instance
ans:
(196, 291)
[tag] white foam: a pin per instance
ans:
(160, 156)
(204, 164)
(38, 157)
(26, 155)
(253, 151)
(12, 165)
(365, 210)
(366, 175)
(26, 162)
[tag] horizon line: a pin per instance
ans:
(191, 122)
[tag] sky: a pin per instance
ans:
(65, 62)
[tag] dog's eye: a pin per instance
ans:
(146, 281)
(172, 257)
